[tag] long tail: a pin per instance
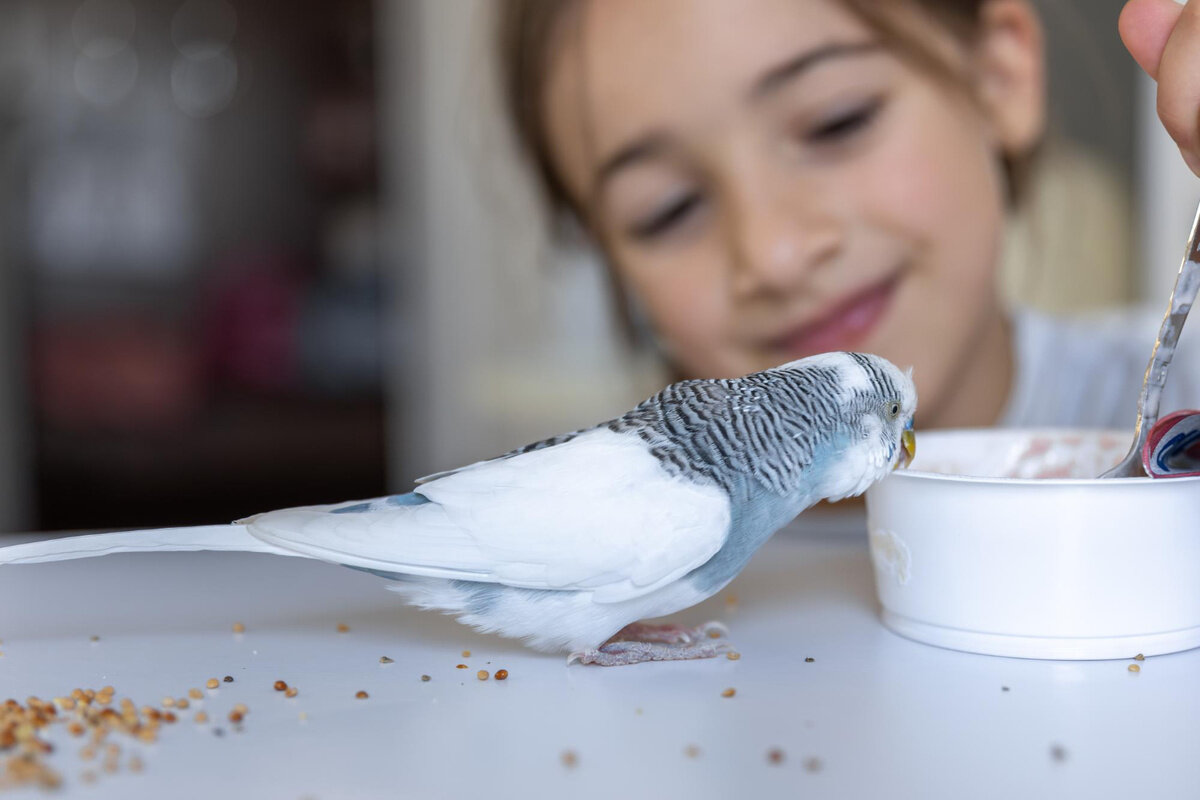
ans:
(204, 537)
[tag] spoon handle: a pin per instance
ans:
(1182, 296)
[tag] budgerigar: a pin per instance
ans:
(568, 542)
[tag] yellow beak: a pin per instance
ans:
(908, 443)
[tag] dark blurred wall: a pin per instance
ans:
(193, 186)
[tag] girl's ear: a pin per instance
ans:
(1010, 73)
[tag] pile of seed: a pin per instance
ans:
(89, 715)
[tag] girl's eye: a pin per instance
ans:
(843, 126)
(666, 218)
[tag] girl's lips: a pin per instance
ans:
(845, 327)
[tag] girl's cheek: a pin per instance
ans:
(687, 310)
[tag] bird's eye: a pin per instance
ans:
(894, 410)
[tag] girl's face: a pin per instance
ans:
(771, 182)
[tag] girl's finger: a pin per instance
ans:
(1145, 26)
(1178, 79)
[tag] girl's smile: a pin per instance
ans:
(848, 324)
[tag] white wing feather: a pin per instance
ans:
(597, 513)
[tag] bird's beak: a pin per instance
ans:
(908, 446)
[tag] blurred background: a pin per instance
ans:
(255, 255)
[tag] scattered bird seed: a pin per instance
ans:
(482, 674)
(291, 691)
(813, 764)
(386, 660)
(201, 718)
(730, 692)
(775, 756)
(236, 716)
(182, 703)
(212, 683)
(1004, 688)
(501, 674)
(95, 638)
(280, 686)
(168, 702)
(1139, 657)
(425, 678)
(569, 759)
(733, 656)
(343, 628)
(1058, 753)
(241, 708)
(228, 679)
(239, 627)
(691, 751)
(460, 666)
(809, 660)
(466, 653)
(195, 694)
(361, 695)
(1134, 668)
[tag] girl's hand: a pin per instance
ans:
(1164, 38)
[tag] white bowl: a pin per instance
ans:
(1051, 564)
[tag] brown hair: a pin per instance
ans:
(526, 43)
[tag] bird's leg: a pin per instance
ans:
(640, 642)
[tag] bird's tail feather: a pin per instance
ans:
(203, 537)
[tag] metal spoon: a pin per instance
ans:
(1186, 285)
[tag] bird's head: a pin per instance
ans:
(877, 401)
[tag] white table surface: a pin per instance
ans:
(884, 716)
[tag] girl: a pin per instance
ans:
(774, 178)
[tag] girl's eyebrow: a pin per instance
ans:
(794, 67)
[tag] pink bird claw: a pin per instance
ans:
(640, 642)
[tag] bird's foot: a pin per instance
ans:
(640, 642)
(670, 634)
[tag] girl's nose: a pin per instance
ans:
(778, 239)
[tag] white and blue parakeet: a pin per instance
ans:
(568, 542)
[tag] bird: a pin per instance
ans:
(569, 542)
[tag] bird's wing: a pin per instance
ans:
(597, 512)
